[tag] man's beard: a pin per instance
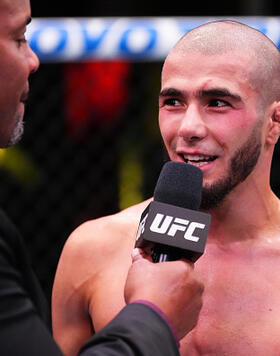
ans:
(17, 133)
(241, 165)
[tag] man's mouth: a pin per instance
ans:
(24, 97)
(198, 160)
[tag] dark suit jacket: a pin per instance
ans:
(137, 330)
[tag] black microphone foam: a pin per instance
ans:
(179, 184)
(172, 222)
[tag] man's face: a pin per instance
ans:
(208, 117)
(17, 62)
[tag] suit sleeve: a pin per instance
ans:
(136, 330)
(22, 329)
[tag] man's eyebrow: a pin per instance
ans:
(171, 92)
(26, 22)
(22, 25)
(219, 92)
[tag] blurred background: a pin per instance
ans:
(92, 143)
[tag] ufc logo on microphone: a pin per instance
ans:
(141, 227)
(163, 224)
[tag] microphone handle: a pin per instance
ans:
(164, 253)
(163, 257)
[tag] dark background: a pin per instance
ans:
(155, 8)
(91, 143)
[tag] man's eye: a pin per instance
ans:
(218, 103)
(171, 102)
(21, 41)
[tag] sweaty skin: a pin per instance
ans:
(240, 313)
(94, 289)
(214, 112)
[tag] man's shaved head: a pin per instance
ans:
(217, 38)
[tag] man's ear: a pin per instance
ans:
(274, 127)
(276, 114)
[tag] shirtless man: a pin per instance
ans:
(219, 109)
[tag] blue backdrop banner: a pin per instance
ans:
(137, 39)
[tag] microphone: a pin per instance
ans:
(172, 221)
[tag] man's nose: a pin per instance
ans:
(34, 62)
(192, 127)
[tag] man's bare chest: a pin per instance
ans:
(241, 308)
(241, 305)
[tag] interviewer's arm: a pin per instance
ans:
(174, 287)
(172, 295)
(136, 330)
(22, 330)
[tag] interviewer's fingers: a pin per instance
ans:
(174, 287)
(185, 260)
(138, 254)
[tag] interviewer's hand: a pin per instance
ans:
(171, 286)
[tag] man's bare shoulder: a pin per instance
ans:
(99, 231)
(105, 234)
(88, 252)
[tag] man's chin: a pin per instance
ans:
(213, 195)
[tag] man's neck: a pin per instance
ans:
(245, 216)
